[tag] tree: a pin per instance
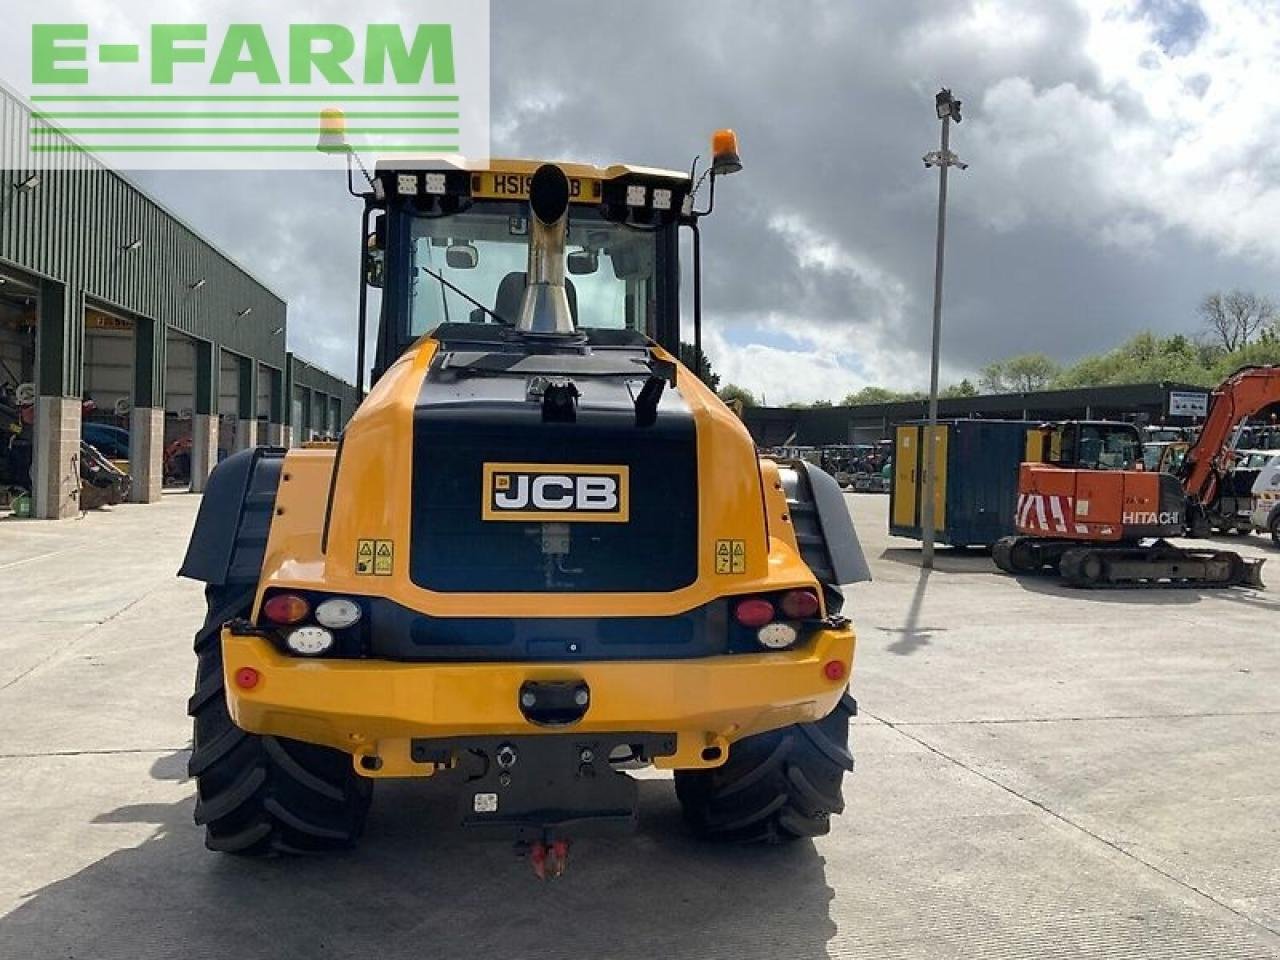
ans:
(1022, 374)
(1145, 358)
(731, 392)
(877, 395)
(699, 365)
(1232, 320)
(1265, 350)
(964, 388)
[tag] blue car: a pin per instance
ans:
(111, 442)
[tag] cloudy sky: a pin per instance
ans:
(1124, 160)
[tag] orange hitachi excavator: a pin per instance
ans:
(1085, 510)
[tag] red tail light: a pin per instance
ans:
(753, 612)
(800, 604)
(286, 608)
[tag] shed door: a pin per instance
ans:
(905, 473)
(940, 487)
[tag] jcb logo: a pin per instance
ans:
(548, 492)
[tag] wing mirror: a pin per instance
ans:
(582, 262)
(462, 256)
(374, 262)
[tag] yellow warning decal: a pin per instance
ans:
(375, 558)
(384, 554)
(364, 558)
(731, 556)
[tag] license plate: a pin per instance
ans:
(515, 186)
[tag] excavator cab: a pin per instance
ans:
(1091, 445)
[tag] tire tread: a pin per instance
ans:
(774, 787)
(258, 795)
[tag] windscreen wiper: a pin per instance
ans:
(466, 296)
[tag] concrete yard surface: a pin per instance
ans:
(1041, 773)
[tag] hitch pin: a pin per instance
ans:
(549, 861)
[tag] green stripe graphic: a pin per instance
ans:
(230, 98)
(223, 148)
(241, 115)
(241, 131)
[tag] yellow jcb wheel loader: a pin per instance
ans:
(542, 552)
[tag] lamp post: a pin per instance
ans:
(948, 108)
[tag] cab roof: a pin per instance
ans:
(516, 165)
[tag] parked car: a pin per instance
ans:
(1266, 499)
(112, 442)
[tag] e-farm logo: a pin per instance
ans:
(233, 90)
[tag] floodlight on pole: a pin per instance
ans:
(948, 110)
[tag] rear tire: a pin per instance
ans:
(775, 787)
(1275, 530)
(260, 795)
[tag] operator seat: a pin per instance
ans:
(510, 291)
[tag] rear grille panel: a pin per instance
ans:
(453, 549)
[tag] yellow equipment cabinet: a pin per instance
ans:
(977, 490)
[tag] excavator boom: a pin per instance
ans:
(1246, 392)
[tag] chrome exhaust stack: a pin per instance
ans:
(544, 309)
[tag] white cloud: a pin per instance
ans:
(1123, 163)
(1183, 141)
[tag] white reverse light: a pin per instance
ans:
(309, 641)
(777, 636)
(337, 613)
(407, 184)
(434, 183)
(636, 195)
(661, 199)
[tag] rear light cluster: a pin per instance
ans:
(772, 617)
(309, 632)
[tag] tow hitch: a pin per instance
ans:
(538, 789)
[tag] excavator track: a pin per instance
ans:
(1158, 565)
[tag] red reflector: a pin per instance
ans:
(833, 670)
(286, 608)
(247, 678)
(799, 604)
(753, 612)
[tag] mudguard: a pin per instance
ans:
(230, 536)
(823, 525)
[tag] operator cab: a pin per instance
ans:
(1093, 445)
(451, 245)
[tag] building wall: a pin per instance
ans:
(816, 426)
(333, 400)
(75, 226)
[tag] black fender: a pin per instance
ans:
(824, 530)
(229, 540)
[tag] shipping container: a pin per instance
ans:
(977, 487)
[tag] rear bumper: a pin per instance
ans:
(373, 708)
